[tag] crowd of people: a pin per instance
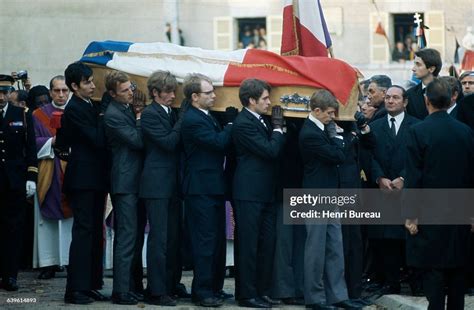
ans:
(175, 168)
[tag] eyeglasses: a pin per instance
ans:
(467, 83)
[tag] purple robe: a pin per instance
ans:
(51, 206)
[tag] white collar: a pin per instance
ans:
(451, 108)
(254, 113)
(60, 107)
(166, 108)
(398, 119)
(5, 109)
(205, 111)
(316, 121)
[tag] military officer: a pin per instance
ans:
(18, 174)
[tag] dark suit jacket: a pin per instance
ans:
(454, 112)
(82, 128)
(257, 151)
(389, 157)
(321, 157)
(466, 111)
(440, 155)
(390, 153)
(18, 147)
(159, 178)
(205, 144)
(416, 102)
(124, 138)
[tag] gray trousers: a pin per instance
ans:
(125, 233)
(324, 281)
(288, 264)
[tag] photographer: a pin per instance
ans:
(22, 76)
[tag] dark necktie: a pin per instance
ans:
(1, 115)
(393, 130)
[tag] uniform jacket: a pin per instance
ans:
(18, 147)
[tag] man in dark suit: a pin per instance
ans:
(322, 151)
(18, 176)
(124, 138)
(159, 187)
(258, 147)
(426, 67)
(456, 93)
(441, 251)
(205, 145)
(85, 184)
(388, 171)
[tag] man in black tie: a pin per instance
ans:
(426, 67)
(204, 186)
(388, 172)
(124, 138)
(159, 187)
(258, 147)
(85, 184)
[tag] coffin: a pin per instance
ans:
(293, 78)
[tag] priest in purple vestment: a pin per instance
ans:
(53, 220)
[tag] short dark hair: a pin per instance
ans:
(438, 93)
(57, 77)
(382, 81)
(162, 81)
(113, 78)
(22, 95)
(76, 73)
(192, 84)
(454, 84)
(323, 99)
(252, 88)
(431, 58)
(404, 92)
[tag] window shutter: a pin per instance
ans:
(379, 48)
(435, 36)
(274, 31)
(224, 33)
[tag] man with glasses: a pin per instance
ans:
(18, 174)
(205, 145)
(159, 188)
(52, 210)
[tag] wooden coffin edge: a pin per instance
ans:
(229, 96)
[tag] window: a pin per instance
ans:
(252, 33)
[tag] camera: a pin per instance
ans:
(21, 75)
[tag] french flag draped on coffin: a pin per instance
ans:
(228, 69)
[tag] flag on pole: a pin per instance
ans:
(305, 31)
(380, 30)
